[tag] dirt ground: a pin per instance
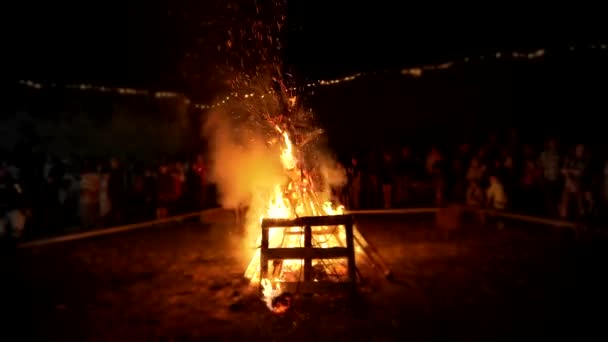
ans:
(184, 282)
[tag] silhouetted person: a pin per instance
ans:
(12, 220)
(353, 172)
(116, 192)
(164, 191)
(549, 160)
(50, 207)
(150, 194)
(406, 167)
(573, 171)
(387, 178)
(138, 193)
(89, 195)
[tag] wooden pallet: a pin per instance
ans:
(308, 252)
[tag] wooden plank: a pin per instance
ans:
(307, 221)
(304, 253)
(316, 287)
(328, 231)
(401, 211)
(264, 254)
(350, 248)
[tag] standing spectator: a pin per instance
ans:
(49, 164)
(573, 170)
(460, 164)
(589, 185)
(116, 191)
(484, 160)
(387, 178)
(531, 186)
(509, 172)
(432, 158)
(476, 171)
(138, 196)
(89, 195)
(150, 193)
(339, 192)
(507, 162)
(105, 205)
(194, 187)
(164, 191)
(549, 161)
(496, 196)
(497, 168)
(200, 180)
(72, 185)
(64, 184)
(12, 218)
(372, 184)
(405, 176)
(353, 173)
(474, 194)
(179, 179)
(438, 171)
(49, 201)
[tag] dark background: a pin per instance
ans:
(178, 46)
(139, 42)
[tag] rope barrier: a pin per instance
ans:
(491, 212)
(107, 231)
(558, 223)
(403, 211)
(521, 217)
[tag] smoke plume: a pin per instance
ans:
(242, 162)
(245, 155)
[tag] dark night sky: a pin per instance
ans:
(141, 43)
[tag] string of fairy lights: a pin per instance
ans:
(417, 71)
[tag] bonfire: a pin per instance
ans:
(298, 196)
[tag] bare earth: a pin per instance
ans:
(184, 282)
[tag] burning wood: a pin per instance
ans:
(293, 240)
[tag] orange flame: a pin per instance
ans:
(297, 198)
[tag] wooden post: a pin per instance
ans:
(308, 259)
(350, 247)
(263, 254)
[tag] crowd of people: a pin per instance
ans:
(53, 195)
(568, 181)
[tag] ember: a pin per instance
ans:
(282, 303)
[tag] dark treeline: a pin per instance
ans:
(561, 95)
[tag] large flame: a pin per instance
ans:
(297, 197)
(287, 157)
